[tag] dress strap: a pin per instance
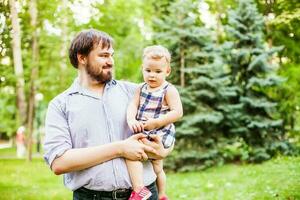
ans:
(147, 97)
(160, 101)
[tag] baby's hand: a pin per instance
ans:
(136, 126)
(150, 124)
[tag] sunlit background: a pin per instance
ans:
(236, 64)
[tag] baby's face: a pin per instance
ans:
(155, 71)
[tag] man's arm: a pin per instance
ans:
(61, 156)
(79, 159)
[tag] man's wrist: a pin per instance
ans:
(120, 149)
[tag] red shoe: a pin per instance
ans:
(143, 194)
(164, 198)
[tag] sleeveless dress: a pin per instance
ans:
(151, 106)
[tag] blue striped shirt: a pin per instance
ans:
(79, 118)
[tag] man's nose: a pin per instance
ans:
(110, 60)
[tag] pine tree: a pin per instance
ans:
(207, 87)
(202, 133)
(198, 70)
(228, 114)
(179, 31)
(254, 116)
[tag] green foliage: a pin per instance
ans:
(179, 31)
(229, 114)
(288, 96)
(7, 79)
(126, 27)
(56, 26)
(7, 111)
(252, 72)
(237, 109)
(283, 27)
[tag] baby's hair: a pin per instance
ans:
(157, 52)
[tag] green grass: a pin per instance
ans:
(12, 152)
(20, 179)
(8, 152)
(276, 179)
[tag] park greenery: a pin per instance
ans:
(32, 180)
(236, 68)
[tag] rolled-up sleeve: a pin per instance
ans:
(131, 88)
(57, 134)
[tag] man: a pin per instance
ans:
(86, 127)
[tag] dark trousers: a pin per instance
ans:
(85, 194)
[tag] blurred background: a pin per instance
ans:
(234, 62)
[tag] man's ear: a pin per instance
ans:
(82, 59)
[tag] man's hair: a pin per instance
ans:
(85, 41)
(157, 52)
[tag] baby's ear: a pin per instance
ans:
(169, 70)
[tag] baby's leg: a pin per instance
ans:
(161, 177)
(135, 169)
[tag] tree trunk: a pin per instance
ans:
(219, 23)
(33, 75)
(64, 34)
(182, 63)
(18, 65)
(269, 7)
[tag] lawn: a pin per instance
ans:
(275, 179)
(278, 179)
(20, 179)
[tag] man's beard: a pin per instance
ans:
(99, 77)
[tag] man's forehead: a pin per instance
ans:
(106, 49)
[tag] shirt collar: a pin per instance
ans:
(77, 88)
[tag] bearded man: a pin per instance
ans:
(87, 137)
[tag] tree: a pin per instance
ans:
(8, 99)
(250, 60)
(18, 65)
(33, 76)
(229, 112)
(206, 98)
(179, 32)
(207, 87)
(283, 26)
(56, 26)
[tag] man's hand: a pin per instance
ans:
(151, 124)
(133, 149)
(136, 126)
(160, 151)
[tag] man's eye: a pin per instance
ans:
(104, 55)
